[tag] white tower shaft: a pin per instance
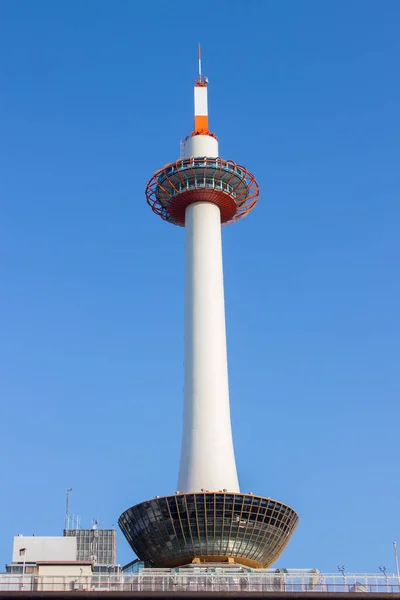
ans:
(207, 458)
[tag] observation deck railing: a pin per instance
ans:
(203, 579)
(196, 163)
(200, 173)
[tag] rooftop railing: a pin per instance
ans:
(201, 579)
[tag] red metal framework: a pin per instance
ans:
(177, 185)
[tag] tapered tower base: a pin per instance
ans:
(209, 527)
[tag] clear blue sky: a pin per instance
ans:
(95, 97)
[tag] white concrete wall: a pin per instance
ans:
(207, 456)
(200, 145)
(44, 548)
(77, 570)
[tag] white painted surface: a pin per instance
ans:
(200, 145)
(72, 570)
(207, 456)
(44, 548)
(200, 101)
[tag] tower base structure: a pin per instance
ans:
(209, 520)
(207, 527)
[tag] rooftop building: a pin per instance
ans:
(97, 545)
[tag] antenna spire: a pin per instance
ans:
(199, 60)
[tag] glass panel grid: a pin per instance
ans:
(243, 526)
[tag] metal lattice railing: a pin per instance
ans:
(197, 579)
(203, 173)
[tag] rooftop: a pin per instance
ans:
(223, 579)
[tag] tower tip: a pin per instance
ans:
(199, 61)
(202, 81)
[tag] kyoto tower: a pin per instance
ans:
(208, 519)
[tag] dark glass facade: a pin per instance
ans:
(99, 545)
(174, 530)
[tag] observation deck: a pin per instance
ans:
(232, 187)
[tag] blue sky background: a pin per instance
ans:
(95, 96)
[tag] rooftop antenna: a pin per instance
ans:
(67, 491)
(341, 568)
(396, 558)
(199, 59)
